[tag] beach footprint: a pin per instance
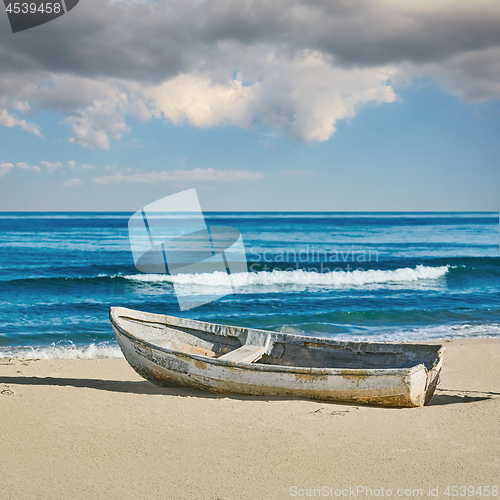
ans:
(341, 413)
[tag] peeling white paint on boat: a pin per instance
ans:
(167, 350)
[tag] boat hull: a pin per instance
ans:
(397, 387)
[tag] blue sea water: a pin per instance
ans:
(374, 276)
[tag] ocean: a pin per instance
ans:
(359, 276)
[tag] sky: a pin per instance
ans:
(368, 105)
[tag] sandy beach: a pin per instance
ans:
(74, 429)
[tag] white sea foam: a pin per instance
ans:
(92, 351)
(429, 333)
(424, 334)
(299, 277)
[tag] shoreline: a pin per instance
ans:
(94, 428)
(87, 352)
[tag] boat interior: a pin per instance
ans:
(239, 345)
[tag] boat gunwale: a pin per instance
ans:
(360, 372)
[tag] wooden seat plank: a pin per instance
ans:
(245, 354)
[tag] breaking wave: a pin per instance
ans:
(299, 277)
(92, 351)
(420, 334)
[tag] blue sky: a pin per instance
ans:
(425, 138)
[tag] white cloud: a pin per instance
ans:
(72, 183)
(10, 120)
(203, 103)
(304, 96)
(103, 120)
(22, 106)
(73, 165)
(52, 166)
(48, 166)
(5, 168)
(181, 176)
(307, 96)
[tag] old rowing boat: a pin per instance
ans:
(167, 350)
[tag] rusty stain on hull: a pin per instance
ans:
(309, 377)
(200, 364)
(357, 378)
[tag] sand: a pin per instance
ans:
(94, 429)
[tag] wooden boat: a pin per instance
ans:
(167, 350)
